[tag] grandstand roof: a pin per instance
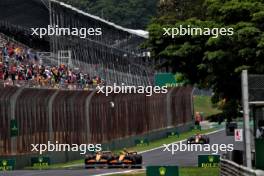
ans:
(24, 13)
(35, 13)
(140, 33)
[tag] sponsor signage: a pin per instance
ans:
(165, 79)
(141, 142)
(238, 135)
(259, 145)
(13, 128)
(173, 134)
(7, 165)
(40, 161)
(208, 161)
(198, 127)
(162, 171)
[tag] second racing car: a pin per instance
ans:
(127, 159)
(198, 139)
(99, 159)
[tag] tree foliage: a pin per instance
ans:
(215, 62)
(130, 13)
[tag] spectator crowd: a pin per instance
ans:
(20, 65)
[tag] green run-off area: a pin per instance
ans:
(190, 171)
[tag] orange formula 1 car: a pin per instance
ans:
(126, 159)
(99, 159)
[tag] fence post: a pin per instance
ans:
(169, 113)
(13, 100)
(87, 114)
(246, 118)
(50, 108)
(192, 104)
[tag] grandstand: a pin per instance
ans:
(39, 109)
(115, 56)
(22, 66)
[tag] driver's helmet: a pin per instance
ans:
(99, 153)
(125, 151)
(198, 135)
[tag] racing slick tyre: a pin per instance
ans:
(111, 165)
(88, 166)
(137, 162)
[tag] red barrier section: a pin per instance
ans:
(132, 114)
(81, 117)
(5, 115)
(181, 105)
(68, 117)
(31, 113)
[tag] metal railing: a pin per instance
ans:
(256, 89)
(202, 92)
(35, 84)
(230, 168)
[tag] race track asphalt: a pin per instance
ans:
(154, 157)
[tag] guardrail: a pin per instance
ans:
(228, 168)
(202, 92)
(47, 85)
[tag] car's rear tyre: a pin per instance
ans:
(208, 141)
(89, 167)
(137, 164)
(202, 141)
(110, 166)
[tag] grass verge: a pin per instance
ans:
(186, 171)
(160, 142)
(153, 144)
(204, 104)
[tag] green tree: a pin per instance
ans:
(131, 13)
(215, 62)
(181, 9)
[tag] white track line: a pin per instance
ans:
(123, 172)
(146, 151)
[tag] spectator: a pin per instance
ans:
(260, 130)
(21, 64)
(13, 73)
(198, 118)
(1, 71)
(5, 54)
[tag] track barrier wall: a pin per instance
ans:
(228, 168)
(83, 117)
